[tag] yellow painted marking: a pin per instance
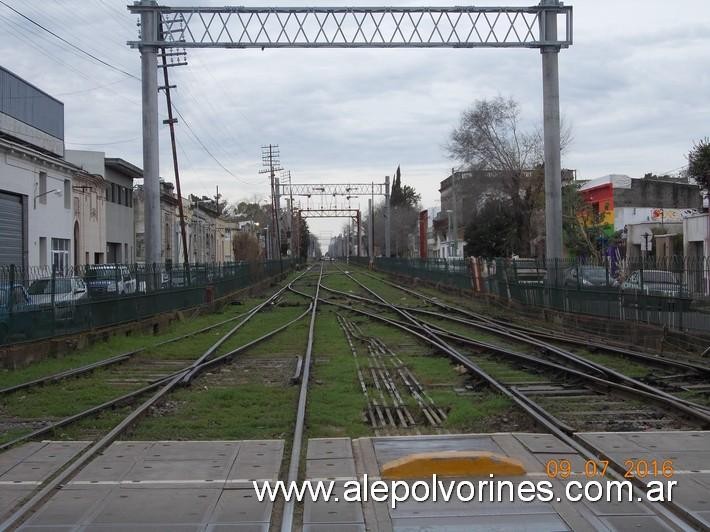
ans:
(452, 464)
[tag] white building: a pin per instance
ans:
(109, 235)
(36, 217)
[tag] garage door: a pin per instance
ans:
(11, 229)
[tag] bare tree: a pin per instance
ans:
(490, 137)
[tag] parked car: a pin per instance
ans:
(12, 298)
(68, 291)
(584, 276)
(655, 283)
(110, 279)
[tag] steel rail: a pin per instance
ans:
(165, 385)
(136, 393)
(687, 408)
(670, 510)
(554, 335)
(249, 315)
(571, 357)
(294, 464)
(500, 331)
(73, 372)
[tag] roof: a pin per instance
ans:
(616, 181)
(123, 166)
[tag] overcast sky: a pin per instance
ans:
(634, 87)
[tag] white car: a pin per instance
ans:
(68, 291)
(110, 279)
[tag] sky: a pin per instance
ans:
(634, 89)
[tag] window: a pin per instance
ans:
(107, 194)
(43, 251)
(67, 194)
(129, 194)
(60, 254)
(43, 188)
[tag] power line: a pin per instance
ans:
(125, 73)
(92, 56)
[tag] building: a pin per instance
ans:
(226, 227)
(203, 229)
(170, 241)
(117, 216)
(89, 206)
(462, 194)
(617, 201)
(696, 235)
(36, 217)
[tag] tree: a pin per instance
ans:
(699, 162)
(491, 232)
(403, 196)
(489, 137)
(246, 246)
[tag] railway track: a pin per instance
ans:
(563, 393)
(158, 390)
(549, 401)
(671, 378)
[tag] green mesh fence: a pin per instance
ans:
(43, 302)
(673, 292)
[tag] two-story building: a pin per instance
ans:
(104, 226)
(36, 216)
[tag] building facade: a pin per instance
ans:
(117, 212)
(617, 201)
(36, 218)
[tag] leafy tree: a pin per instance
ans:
(699, 162)
(492, 232)
(246, 246)
(403, 195)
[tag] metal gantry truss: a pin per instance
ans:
(359, 27)
(354, 27)
(333, 189)
(330, 213)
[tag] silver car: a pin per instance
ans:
(655, 283)
(68, 291)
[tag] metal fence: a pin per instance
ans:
(44, 302)
(673, 292)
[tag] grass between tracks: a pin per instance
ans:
(251, 398)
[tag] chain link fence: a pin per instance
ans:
(44, 302)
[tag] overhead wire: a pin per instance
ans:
(124, 72)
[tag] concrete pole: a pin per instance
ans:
(387, 218)
(151, 155)
(370, 232)
(454, 214)
(551, 126)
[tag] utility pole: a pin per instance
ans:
(387, 217)
(551, 126)
(270, 160)
(371, 233)
(171, 121)
(453, 212)
(151, 152)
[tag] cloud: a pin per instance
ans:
(634, 85)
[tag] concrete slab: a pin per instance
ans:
(333, 512)
(147, 486)
(332, 468)
(497, 523)
(690, 452)
(164, 506)
(241, 506)
(179, 470)
(36, 461)
(321, 448)
(624, 523)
